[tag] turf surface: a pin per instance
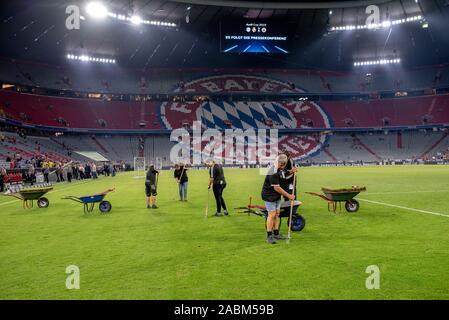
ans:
(175, 253)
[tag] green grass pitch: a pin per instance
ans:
(175, 253)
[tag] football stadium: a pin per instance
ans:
(224, 150)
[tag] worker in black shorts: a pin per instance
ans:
(218, 182)
(151, 187)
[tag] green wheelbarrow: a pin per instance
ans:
(30, 194)
(337, 196)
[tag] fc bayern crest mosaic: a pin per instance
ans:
(252, 114)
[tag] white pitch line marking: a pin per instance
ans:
(405, 208)
(9, 202)
(407, 192)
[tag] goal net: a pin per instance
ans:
(139, 167)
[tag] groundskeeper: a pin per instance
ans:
(151, 187)
(287, 175)
(218, 182)
(182, 179)
(272, 193)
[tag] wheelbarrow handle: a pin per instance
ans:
(14, 195)
(104, 192)
(319, 195)
(73, 198)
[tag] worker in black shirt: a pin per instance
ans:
(272, 195)
(151, 187)
(287, 175)
(182, 179)
(218, 183)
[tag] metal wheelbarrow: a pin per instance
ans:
(334, 196)
(30, 194)
(90, 201)
(298, 221)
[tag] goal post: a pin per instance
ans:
(139, 167)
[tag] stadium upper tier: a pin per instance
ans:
(111, 78)
(73, 114)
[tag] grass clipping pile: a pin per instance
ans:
(344, 190)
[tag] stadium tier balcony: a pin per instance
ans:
(78, 113)
(75, 114)
(121, 80)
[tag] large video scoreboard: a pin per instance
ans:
(254, 36)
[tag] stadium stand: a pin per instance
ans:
(33, 146)
(116, 115)
(367, 147)
(78, 113)
(167, 80)
(372, 147)
(122, 130)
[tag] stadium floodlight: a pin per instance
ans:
(376, 62)
(86, 58)
(96, 10)
(375, 26)
(135, 20)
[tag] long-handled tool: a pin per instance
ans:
(291, 211)
(207, 204)
(182, 173)
(179, 180)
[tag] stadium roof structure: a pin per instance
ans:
(37, 31)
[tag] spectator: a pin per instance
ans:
(106, 169)
(2, 179)
(87, 171)
(31, 173)
(68, 172)
(94, 171)
(46, 172)
(61, 172)
(81, 172)
(75, 172)
(12, 164)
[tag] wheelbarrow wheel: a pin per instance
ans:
(352, 206)
(298, 223)
(43, 203)
(105, 207)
